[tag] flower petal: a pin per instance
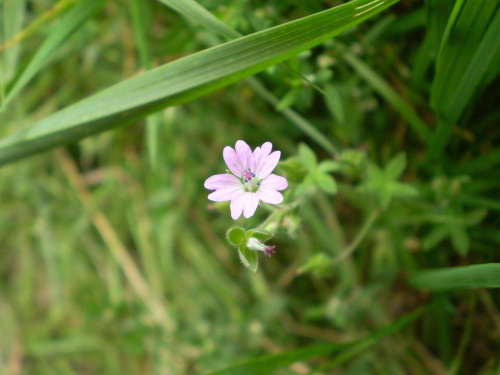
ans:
(228, 194)
(232, 160)
(270, 196)
(260, 154)
(245, 155)
(236, 206)
(274, 182)
(267, 164)
(222, 181)
(251, 203)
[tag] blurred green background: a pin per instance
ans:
(113, 261)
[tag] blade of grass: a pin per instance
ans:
(415, 122)
(36, 25)
(191, 9)
(186, 79)
(70, 23)
(153, 122)
(134, 276)
(467, 277)
(373, 339)
(268, 364)
(469, 46)
(195, 11)
(12, 14)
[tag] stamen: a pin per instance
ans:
(247, 175)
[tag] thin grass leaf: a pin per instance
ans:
(59, 8)
(139, 21)
(471, 42)
(415, 122)
(191, 9)
(70, 23)
(467, 277)
(373, 339)
(186, 79)
(12, 14)
(268, 364)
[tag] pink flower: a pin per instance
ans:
(251, 180)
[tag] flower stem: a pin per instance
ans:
(359, 237)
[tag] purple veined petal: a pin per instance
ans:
(274, 182)
(267, 164)
(221, 181)
(232, 160)
(251, 203)
(245, 156)
(270, 196)
(260, 153)
(223, 195)
(236, 206)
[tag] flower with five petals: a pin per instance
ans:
(250, 180)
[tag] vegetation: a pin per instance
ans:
(113, 260)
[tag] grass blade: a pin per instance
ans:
(186, 79)
(417, 124)
(195, 11)
(470, 44)
(467, 277)
(191, 9)
(268, 364)
(74, 19)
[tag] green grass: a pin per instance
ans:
(113, 260)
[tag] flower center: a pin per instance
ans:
(250, 182)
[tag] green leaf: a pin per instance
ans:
(269, 364)
(395, 168)
(193, 10)
(388, 93)
(260, 234)
(249, 258)
(470, 44)
(459, 239)
(236, 236)
(467, 277)
(185, 79)
(309, 180)
(327, 183)
(435, 237)
(335, 103)
(328, 166)
(70, 23)
(288, 100)
(402, 190)
(319, 264)
(307, 157)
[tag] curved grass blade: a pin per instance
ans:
(268, 364)
(470, 45)
(70, 23)
(467, 277)
(195, 11)
(383, 88)
(185, 79)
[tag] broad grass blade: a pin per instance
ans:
(467, 277)
(186, 79)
